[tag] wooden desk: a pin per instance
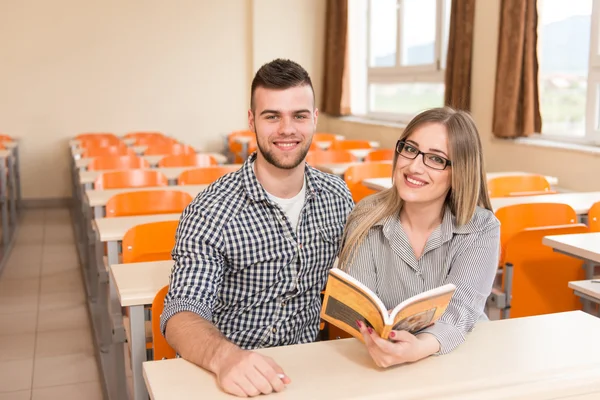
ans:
(152, 160)
(89, 177)
(584, 246)
(522, 358)
(587, 290)
(97, 199)
(136, 285)
(580, 202)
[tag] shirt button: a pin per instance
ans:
(274, 330)
(283, 304)
(300, 245)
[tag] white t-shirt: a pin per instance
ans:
(291, 207)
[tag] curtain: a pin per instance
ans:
(516, 102)
(334, 71)
(458, 60)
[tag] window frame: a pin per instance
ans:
(425, 73)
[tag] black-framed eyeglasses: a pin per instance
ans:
(433, 161)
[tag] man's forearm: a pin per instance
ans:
(197, 340)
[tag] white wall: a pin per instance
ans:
(183, 67)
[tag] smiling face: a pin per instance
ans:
(415, 181)
(284, 121)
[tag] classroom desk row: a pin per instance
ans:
(82, 163)
(530, 358)
(10, 196)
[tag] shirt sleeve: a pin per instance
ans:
(473, 272)
(198, 270)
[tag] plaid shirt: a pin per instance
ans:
(240, 265)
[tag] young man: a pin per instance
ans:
(253, 250)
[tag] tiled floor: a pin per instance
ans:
(46, 347)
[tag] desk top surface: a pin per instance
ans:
(86, 177)
(98, 198)
(514, 358)
(587, 287)
(582, 245)
(138, 283)
(113, 229)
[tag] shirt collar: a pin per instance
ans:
(255, 190)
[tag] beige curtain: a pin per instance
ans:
(335, 76)
(460, 49)
(516, 103)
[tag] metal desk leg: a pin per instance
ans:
(3, 206)
(138, 350)
(115, 320)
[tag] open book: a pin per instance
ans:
(347, 300)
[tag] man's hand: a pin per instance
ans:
(246, 374)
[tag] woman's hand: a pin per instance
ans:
(403, 346)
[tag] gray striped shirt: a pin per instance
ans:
(466, 256)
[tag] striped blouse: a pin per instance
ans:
(466, 256)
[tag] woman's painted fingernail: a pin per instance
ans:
(359, 323)
(370, 329)
(392, 334)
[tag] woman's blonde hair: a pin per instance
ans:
(468, 188)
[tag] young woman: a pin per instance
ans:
(434, 226)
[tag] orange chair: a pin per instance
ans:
(188, 160)
(156, 149)
(94, 136)
(518, 217)
(539, 280)
(117, 162)
(100, 142)
(381, 155)
(518, 185)
(155, 141)
(149, 242)
(355, 174)
(130, 178)
(236, 148)
(325, 137)
(147, 202)
(205, 175)
(6, 138)
(329, 157)
(160, 348)
(120, 150)
(144, 134)
(594, 217)
(350, 145)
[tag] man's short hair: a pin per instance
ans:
(280, 74)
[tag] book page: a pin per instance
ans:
(345, 303)
(420, 314)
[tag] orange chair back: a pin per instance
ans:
(147, 202)
(130, 178)
(541, 275)
(149, 242)
(140, 135)
(594, 217)
(100, 142)
(329, 157)
(350, 145)
(325, 137)
(358, 172)
(157, 141)
(120, 150)
(188, 160)
(117, 162)
(518, 185)
(205, 175)
(518, 217)
(160, 348)
(5, 138)
(168, 149)
(381, 155)
(93, 136)
(236, 148)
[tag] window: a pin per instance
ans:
(397, 52)
(569, 74)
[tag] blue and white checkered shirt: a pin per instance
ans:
(240, 265)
